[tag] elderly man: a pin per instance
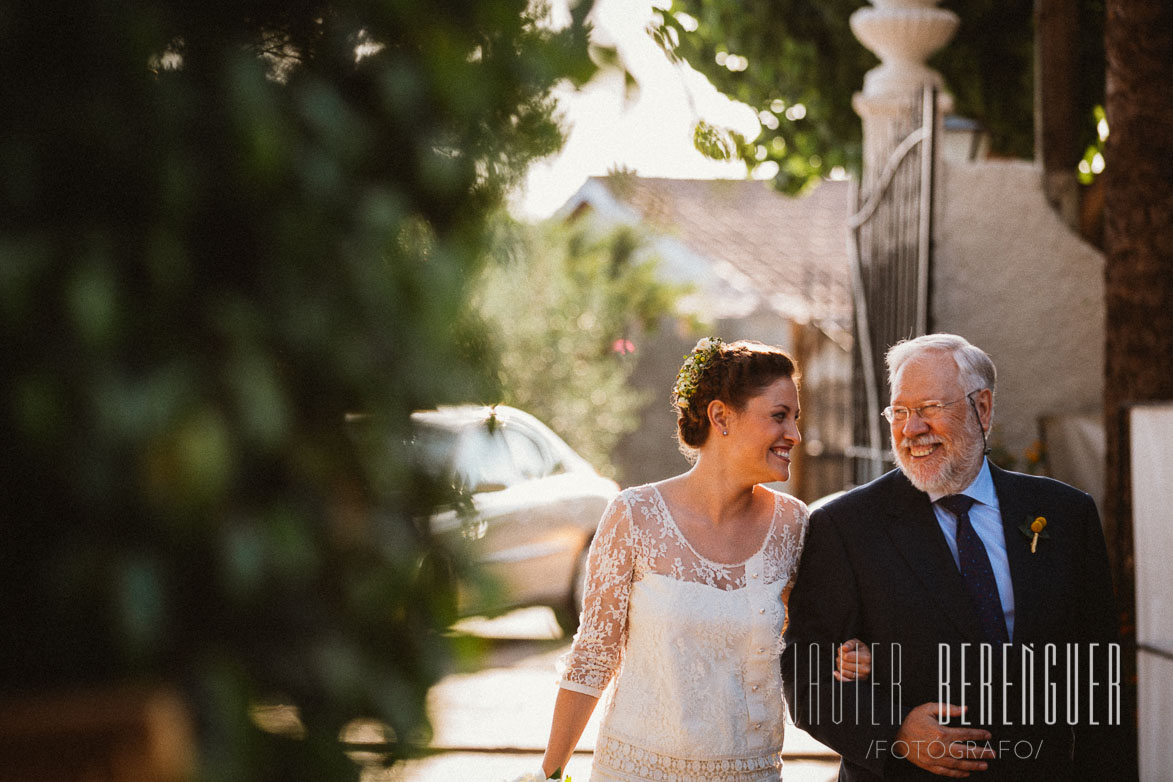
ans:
(985, 596)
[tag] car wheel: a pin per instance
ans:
(568, 613)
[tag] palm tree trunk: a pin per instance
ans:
(1138, 237)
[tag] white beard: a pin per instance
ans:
(959, 469)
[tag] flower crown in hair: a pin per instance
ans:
(693, 367)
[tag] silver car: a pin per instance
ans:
(536, 502)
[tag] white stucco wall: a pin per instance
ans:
(1012, 278)
(1151, 430)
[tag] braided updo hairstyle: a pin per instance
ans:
(732, 372)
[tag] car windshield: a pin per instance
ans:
(433, 448)
(475, 458)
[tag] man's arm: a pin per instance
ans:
(860, 720)
(823, 612)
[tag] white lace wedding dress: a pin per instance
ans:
(694, 644)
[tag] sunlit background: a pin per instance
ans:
(645, 127)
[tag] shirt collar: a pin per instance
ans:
(981, 489)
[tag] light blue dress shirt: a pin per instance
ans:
(986, 518)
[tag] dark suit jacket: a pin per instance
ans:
(876, 566)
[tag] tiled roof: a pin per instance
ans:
(791, 250)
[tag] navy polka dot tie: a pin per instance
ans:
(976, 571)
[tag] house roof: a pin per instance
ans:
(743, 245)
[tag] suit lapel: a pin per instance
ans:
(1014, 503)
(914, 530)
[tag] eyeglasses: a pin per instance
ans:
(926, 412)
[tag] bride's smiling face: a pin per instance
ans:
(764, 432)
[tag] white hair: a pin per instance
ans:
(975, 368)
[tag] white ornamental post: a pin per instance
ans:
(903, 34)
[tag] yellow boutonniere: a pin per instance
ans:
(1034, 528)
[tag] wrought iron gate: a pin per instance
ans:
(890, 244)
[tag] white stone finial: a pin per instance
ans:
(903, 34)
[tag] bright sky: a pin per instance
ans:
(651, 134)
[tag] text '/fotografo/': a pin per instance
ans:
(1021, 749)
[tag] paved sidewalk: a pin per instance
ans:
(491, 724)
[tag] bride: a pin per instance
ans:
(687, 581)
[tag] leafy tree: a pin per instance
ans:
(222, 231)
(779, 55)
(563, 308)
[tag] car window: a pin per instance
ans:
(484, 461)
(434, 449)
(528, 456)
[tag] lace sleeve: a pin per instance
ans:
(802, 521)
(598, 646)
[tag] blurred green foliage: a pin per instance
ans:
(566, 307)
(790, 53)
(222, 231)
(1091, 164)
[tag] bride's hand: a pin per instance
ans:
(854, 661)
